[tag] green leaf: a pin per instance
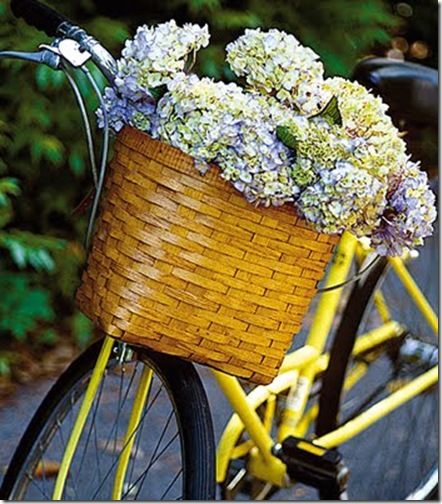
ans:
(42, 77)
(9, 185)
(47, 337)
(82, 328)
(24, 306)
(158, 92)
(48, 147)
(283, 133)
(76, 163)
(5, 366)
(6, 215)
(227, 19)
(331, 112)
(53, 149)
(30, 249)
(40, 259)
(18, 253)
(198, 5)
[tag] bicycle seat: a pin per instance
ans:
(410, 89)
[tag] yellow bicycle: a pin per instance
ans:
(353, 411)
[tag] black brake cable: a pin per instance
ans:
(104, 155)
(353, 279)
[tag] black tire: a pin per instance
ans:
(172, 458)
(398, 454)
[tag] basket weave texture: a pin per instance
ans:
(181, 263)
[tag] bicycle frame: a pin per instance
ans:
(299, 370)
(297, 374)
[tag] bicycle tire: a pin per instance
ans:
(398, 455)
(180, 434)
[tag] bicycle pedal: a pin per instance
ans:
(313, 465)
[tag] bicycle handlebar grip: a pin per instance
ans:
(38, 15)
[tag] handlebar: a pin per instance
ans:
(38, 15)
(54, 24)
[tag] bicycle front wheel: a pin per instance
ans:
(172, 453)
(397, 457)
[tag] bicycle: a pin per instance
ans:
(293, 431)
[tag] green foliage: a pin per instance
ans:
(341, 31)
(8, 187)
(28, 249)
(5, 364)
(330, 113)
(24, 306)
(7, 360)
(82, 329)
(158, 92)
(42, 146)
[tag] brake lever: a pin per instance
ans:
(44, 56)
(69, 50)
(52, 55)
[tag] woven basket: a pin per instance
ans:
(183, 264)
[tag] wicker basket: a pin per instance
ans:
(183, 264)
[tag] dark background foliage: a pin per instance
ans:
(43, 168)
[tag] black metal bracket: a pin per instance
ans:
(314, 466)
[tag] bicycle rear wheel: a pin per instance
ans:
(398, 455)
(173, 453)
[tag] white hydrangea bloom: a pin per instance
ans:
(156, 54)
(275, 63)
(220, 123)
(409, 214)
(343, 198)
(364, 116)
(150, 60)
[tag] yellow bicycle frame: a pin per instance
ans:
(297, 375)
(298, 372)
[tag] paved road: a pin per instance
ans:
(15, 414)
(17, 411)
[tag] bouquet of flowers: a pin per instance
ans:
(287, 136)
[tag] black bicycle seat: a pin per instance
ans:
(410, 89)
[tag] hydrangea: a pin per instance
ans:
(327, 147)
(122, 110)
(276, 64)
(190, 116)
(364, 117)
(331, 177)
(409, 213)
(156, 54)
(342, 198)
(149, 61)
(220, 123)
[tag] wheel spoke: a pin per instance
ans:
(157, 460)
